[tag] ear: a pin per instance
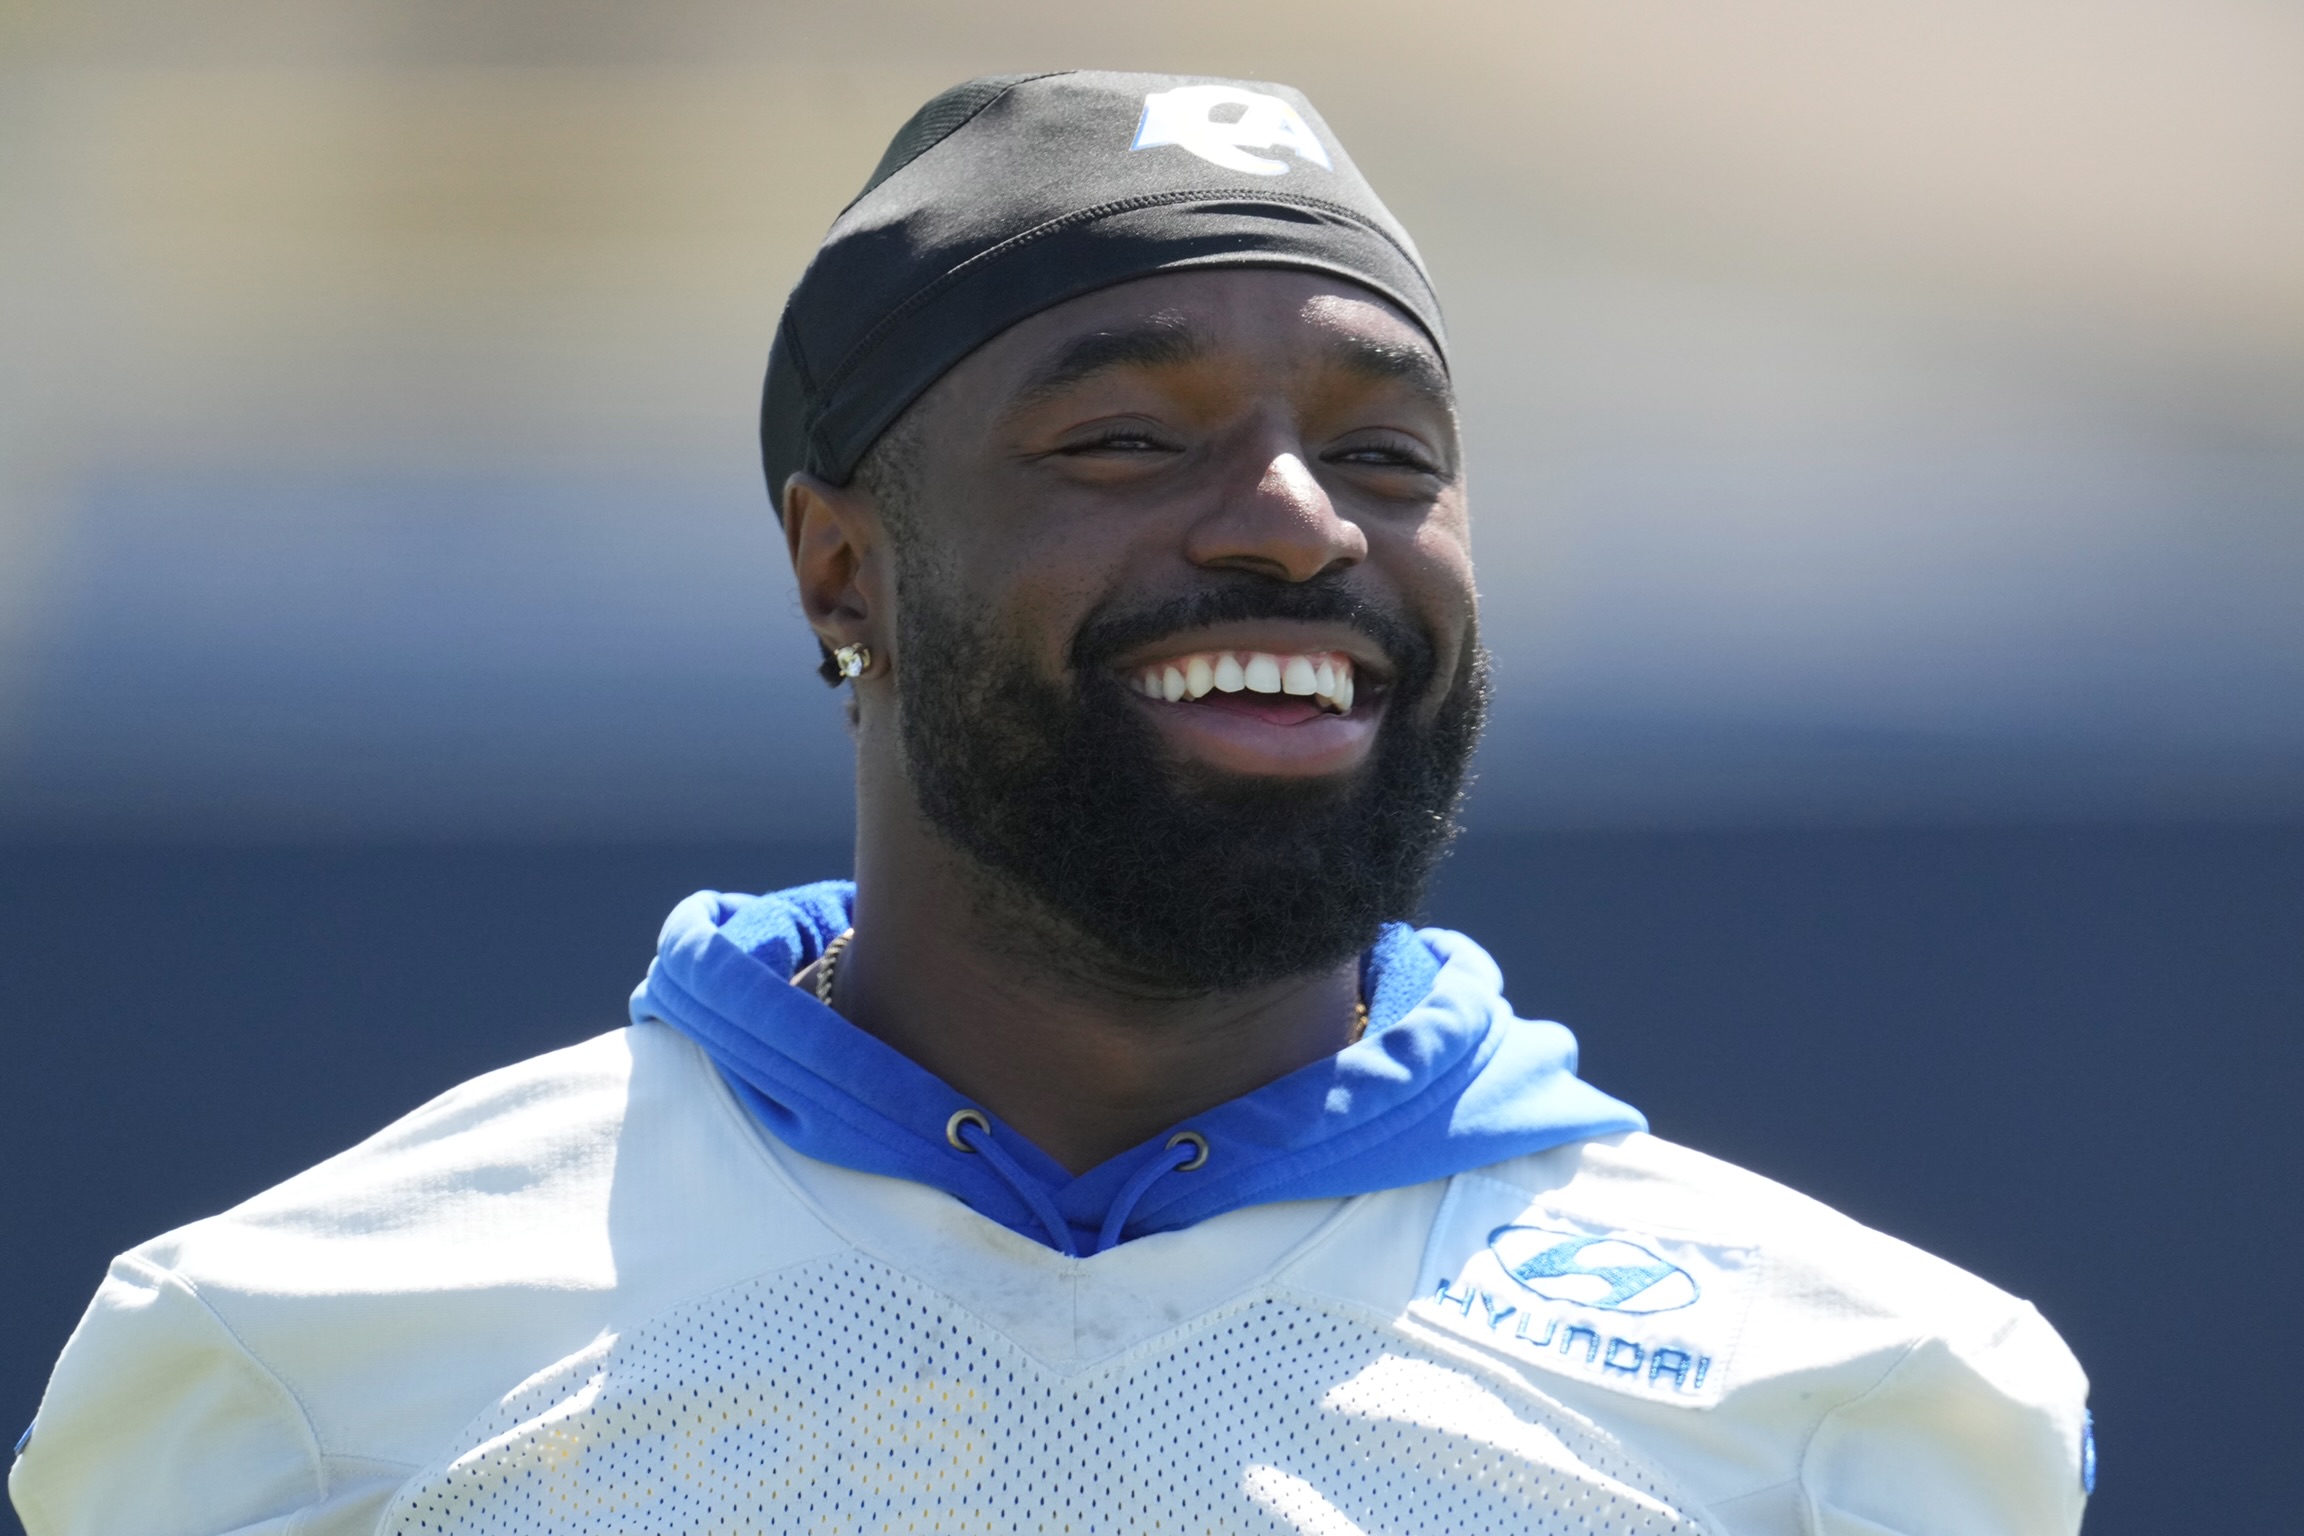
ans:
(838, 550)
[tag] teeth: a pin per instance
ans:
(1325, 677)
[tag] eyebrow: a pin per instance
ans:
(1414, 365)
(1164, 341)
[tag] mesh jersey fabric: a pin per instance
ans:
(592, 1278)
(846, 1397)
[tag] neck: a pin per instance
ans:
(1083, 1067)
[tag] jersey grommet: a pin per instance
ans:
(974, 1117)
(1194, 1140)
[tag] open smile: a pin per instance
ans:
(1324, 677)
(1270, 704)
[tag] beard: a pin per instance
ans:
(1116, 863)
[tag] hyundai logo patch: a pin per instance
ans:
(1613, 1274)
(1638, 1312)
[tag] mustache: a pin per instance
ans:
(1104, 636)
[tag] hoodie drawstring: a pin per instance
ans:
(956, 1131)
(1185, 1149)
(970, 1130)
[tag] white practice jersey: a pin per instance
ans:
(589, 1294)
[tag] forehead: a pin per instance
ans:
(1265, 321)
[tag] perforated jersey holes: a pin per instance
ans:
(841, 1397)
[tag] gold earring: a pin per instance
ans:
(852, 660)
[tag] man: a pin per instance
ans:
(1108, 1157)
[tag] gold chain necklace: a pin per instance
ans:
(829, 966)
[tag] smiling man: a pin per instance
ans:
(1173, 677)
(1110, 1155)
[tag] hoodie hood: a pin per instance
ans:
(1445, 1080)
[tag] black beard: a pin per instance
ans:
(1174, 879)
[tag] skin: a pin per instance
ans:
(1301, 427)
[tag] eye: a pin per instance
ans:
(1387, 452)
(1118, 440)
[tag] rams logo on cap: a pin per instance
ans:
(1188, 117)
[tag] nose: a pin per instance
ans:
(1279, 524)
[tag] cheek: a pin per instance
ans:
(1433, 563)
(1025, 570)
(1435, 575)
(1040, 593)
(1446, 536)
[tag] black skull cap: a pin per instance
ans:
(1012, 193)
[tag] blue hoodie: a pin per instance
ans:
(1445, 1080)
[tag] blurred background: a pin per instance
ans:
(1887, 427)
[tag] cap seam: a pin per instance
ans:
(853, 359)
(791, 329)
(811, 401)
(925, 150)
